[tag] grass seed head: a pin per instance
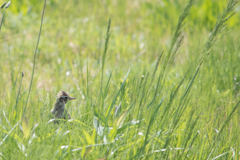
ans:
(3, 5)
(8, 4)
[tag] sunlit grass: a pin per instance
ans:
(148, 85)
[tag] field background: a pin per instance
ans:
(133, 101)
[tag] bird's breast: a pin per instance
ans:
(58, 110)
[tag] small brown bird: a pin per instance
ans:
(59, 110)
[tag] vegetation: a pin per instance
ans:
(153, 79)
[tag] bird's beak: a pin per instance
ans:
(71, 98)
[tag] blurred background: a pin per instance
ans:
(75, 31)
(69, 57)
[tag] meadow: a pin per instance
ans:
(152, 79)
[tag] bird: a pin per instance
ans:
(59, 111)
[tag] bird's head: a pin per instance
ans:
(64, 97)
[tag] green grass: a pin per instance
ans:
(153, 79)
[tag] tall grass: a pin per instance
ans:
(4, 6)
(159, 110)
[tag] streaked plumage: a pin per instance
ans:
(59, 110)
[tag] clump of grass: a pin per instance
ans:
(150, 115)
(221, 23)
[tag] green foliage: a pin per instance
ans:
(150, 82)
(205, 12)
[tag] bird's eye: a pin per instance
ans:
(65, 97)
